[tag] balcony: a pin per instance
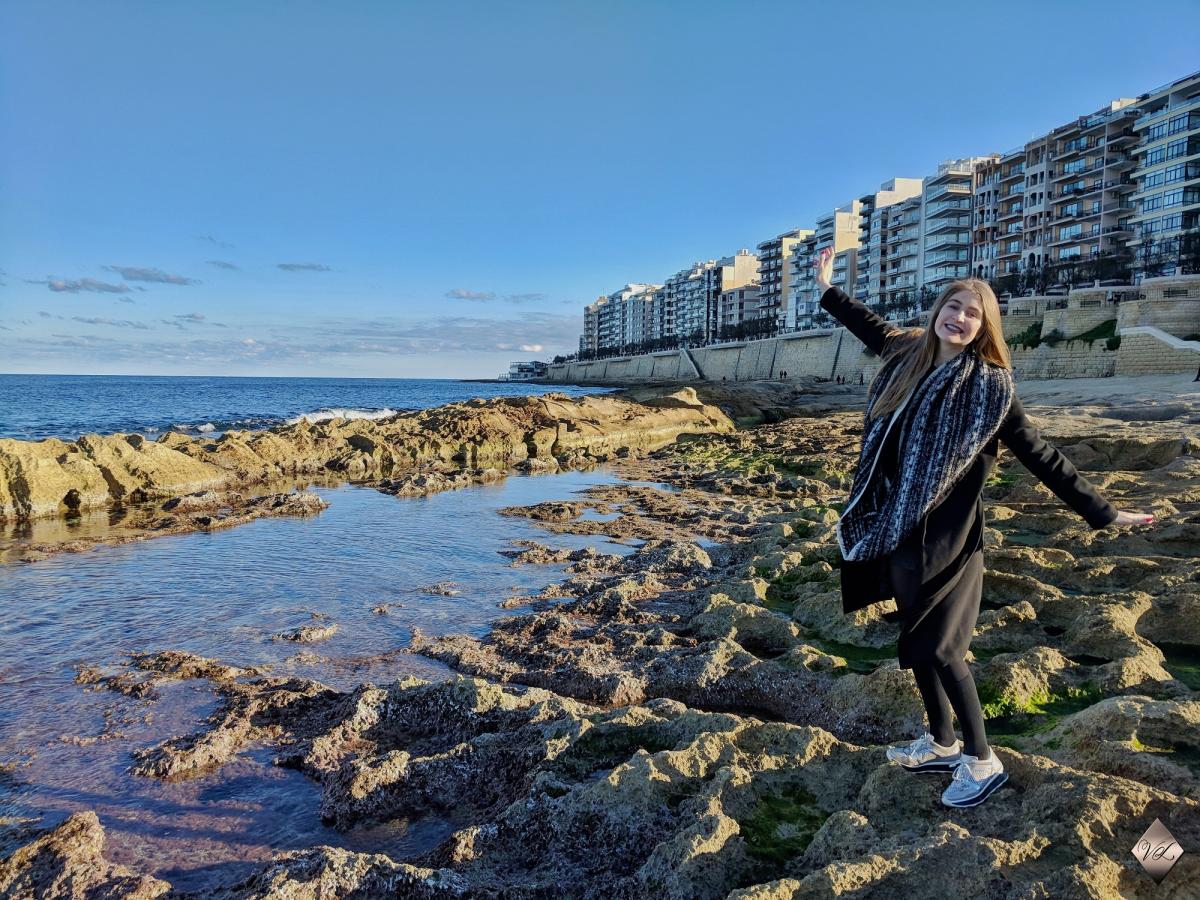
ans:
(947, 189)
(1079, 191)
(1014, 172)
(947, 241)
(1121, 163)
(947, 224)
(1016, 210)
(1121, 205)
(1122, 140)
(1144, 120)
(947, 208)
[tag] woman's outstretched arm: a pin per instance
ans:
(860, 320)
(1057, 472)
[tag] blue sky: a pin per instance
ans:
(434, 189)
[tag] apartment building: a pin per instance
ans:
(589, 340)
(696, 293)
(775, 273)
(1091, 184)
(946, 221)
(1061, 196)
(1167, 174)
(898, 231)
(741, 304)
(872, 263)
(622, 317)
(985, 215)
(839, 230)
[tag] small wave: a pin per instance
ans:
(207, 427)
(324, 415)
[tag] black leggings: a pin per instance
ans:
(946, 686)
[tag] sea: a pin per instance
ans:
(66, 406)
(66, 747)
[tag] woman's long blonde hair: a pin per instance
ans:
(919, 346)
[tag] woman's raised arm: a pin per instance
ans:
(1054, 470)
(858, 318)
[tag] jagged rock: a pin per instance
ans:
(68, 862)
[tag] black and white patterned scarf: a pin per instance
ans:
(943, 425)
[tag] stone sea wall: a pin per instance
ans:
(1164, 313)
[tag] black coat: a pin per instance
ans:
(940, 540)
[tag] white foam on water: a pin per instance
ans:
(207, 427)
(324, 415)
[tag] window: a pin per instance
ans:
(1178, 124)
(1069, 252)
(1173, 198)
(1155, 156)
(1151, 203)
(1177, 148)
(1069, 231)
(1153, 180)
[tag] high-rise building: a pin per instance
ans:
(739, 305)
(1167, 175)
(1059, 197)
(946, 221)
(1090, 184)
(775, 273)
(898, 231)
(589, 341)
(839, 230)
(873, 257)
(695, 293)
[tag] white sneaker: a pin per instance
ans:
(926, 755)
(975, 780)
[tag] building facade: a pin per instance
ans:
(775, 273)
(1166, 175)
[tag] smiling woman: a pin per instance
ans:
(912, 527)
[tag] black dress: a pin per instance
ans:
(936, 614)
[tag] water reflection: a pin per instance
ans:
(225, 594)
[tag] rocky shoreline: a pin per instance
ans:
(179, 484)
(699, 719)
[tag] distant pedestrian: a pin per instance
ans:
(1197, 378)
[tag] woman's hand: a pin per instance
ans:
(823, 266)
(1124, 517)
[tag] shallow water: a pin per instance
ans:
(225, 594)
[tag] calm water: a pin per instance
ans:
(66, 406)
(224, 594)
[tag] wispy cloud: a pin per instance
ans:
(115, 323)
(182, 320)
(216, 242)
(323, 342)
(488, 296)
(222, 264)
(145, 273)
(71, 286)
(464, 294)
(303, 267)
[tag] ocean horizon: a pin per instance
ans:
(34, 407)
